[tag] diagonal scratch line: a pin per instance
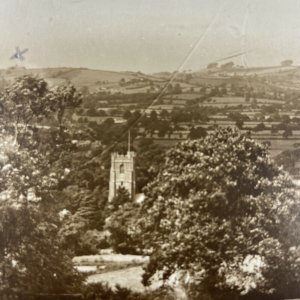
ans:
(173, 77)
(244, 31)
(188, 56)
(232, 56)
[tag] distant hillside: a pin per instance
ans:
(82, 78)
(89, 80)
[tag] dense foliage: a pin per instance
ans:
(289, 160)
(100, 291)
(118, 223)
(31, 260)
(223, 214)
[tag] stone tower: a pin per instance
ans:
(122, 173)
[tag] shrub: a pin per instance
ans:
(103, 291)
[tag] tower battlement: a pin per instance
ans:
(117, 156)
(122, 173)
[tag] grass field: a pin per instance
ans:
(114, 269)
(185, 96)
(241, 100)
(130, 278)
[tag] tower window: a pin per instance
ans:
(122, 168)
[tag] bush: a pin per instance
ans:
(103, 291)
(219, 207)
(118, 224)
(92, 241)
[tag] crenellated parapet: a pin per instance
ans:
(122, 173)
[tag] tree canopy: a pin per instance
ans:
(286, 63)
(224, 214)
(31, 260)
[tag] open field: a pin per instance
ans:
(114, 269)
(130, 278)
(136, 82)
(107, 258)
(241, 100)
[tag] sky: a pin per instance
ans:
(149, 35)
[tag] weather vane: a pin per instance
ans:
(19, 54)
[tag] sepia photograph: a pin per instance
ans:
(150, 150)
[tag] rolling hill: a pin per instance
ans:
(82, 78)
(133, 82)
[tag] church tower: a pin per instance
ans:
(122, 173)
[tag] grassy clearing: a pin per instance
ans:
(114, 269)
(107, 258)
(130, 278)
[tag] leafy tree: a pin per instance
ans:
(223, 213)
(100, 291)
(260, 127)
(254, 103)
(235, 116)
(188, 77)
(288, 159)
(31, 260)
(239, 123)
(287, 132)
(286, 63)
(63, 98)
(149, 158)
(177, 89)
(247, 97)
(121, 198)
(170, 88)
(153, 116)
(197, 133)
(127, 114)
(164, 114)
(118, 225)
(212, 65)
(163, 127)
(227, 66)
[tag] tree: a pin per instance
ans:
(259, 127)
(254, 103)
(239, 123)
(121, 198)
(247, 97)
(153, 116)
(227, 66)
(164, 114)
(238, 118)
(170, 88)
(212, 65)
(149, 158)
(287, 132)
(127, 114)
(188, 77)
(197, 133)
(287, 63)
(163, 127)
(177, 89)
(223, 213)
(31, 260)
(118, 224)
(122, 82)
(63, 98)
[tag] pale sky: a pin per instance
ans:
(148, 35)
